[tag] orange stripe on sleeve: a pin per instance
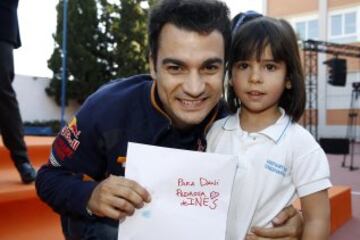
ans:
(121, 160)
(87, 178)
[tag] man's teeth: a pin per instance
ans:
(190, 103)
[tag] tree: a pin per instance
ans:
(105, 41)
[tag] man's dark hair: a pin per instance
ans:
(250, 41)
(202, 16)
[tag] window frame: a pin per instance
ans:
(342, 13)
(306, 19)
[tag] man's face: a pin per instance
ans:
(189, 73)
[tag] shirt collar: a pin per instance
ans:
(274, 132)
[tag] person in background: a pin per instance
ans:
(11, 127)
(277, 158)
(173, 106)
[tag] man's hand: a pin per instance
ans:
(117, 197)
(288, 225)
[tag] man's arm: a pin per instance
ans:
(288, 226)
(76, 154)
(64, 191)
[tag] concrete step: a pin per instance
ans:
(28, 219)
(22, 214)
(38, 150)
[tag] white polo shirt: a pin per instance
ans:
(275, 165)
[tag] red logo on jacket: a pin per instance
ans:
(67, 141)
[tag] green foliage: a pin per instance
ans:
(106, 40)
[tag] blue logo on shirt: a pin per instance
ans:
(276, 167)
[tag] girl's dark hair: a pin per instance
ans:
(202, 16)
(250, 40)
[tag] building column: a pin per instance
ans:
(322, 78)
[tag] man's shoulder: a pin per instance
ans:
(122, 89)
(6, 5)
(118, 97)
(127, 85)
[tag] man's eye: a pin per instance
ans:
(211, 69)
(174, 68)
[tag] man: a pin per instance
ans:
(10, 120)
(173, 107)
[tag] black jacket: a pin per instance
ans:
(9, 27)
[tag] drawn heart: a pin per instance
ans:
(214, 194)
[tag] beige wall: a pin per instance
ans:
(334, 117)
(339, 117)
(353, 64)
(338, 3)
(281, 8)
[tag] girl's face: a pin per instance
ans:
(259, 84)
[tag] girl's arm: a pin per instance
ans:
(316, 213)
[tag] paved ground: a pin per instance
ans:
(342, 176)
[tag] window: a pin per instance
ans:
(350, 23)
(307, 29)
(336, 25)
(343, 27)
(313, 29)
(300, 28)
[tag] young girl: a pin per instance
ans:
(278, 159)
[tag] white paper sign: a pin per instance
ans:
(190, 194)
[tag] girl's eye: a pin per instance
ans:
(270, 67)
(242, 66)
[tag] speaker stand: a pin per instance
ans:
(351, 127)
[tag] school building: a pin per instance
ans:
(334, 21)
